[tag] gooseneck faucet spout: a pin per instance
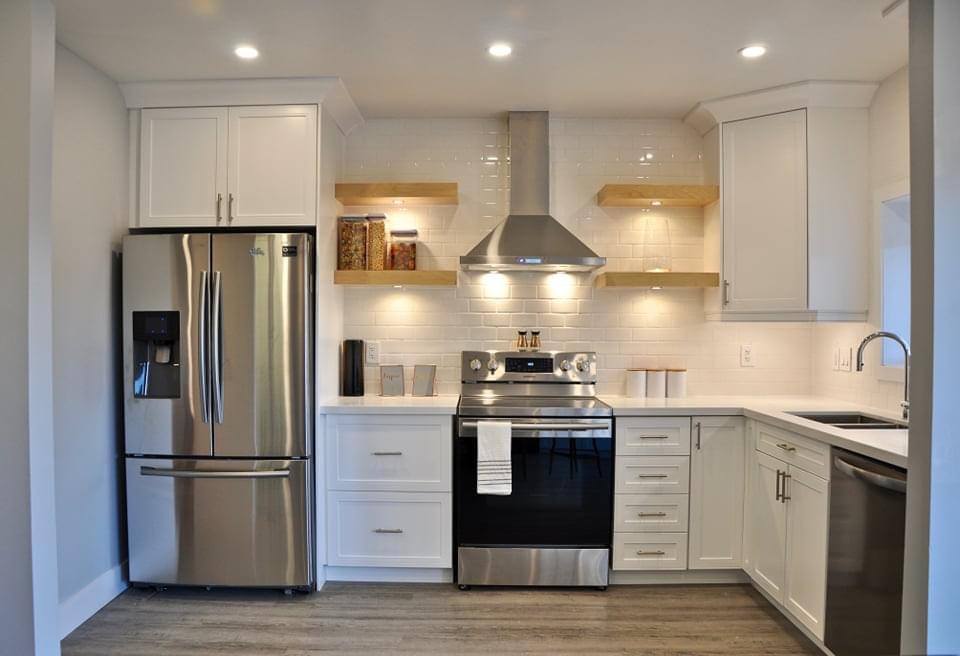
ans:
(906, 363)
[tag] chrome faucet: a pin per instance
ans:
(906, 363)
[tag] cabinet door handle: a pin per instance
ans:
(229, 208)
(787, 447)
(386, 453)
(698, 435)
(654, 437)
(779, 473)
(658, 552)
(784, 497)
(219, 207)
(656, 514)
(726, 292)
(388, 530)
(653, 475)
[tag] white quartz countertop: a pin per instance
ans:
(887, 445)
(445, 404)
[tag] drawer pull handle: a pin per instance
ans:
(658, 552)
(787, 447)
(654, 437)
(388, 530)
(386, 453)
(653, 475)
(656, 514)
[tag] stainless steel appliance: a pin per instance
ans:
(218, 407)
(555, 526)
(865, 561)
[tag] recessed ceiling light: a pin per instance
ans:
(500, 49)
(752, 52)
(246, 52)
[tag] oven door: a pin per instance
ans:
(562, 486)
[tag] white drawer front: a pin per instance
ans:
(389, 529)
(658, 513)
(794, 449)
(653, 474)
(398, 453)
(653, 436)
(650, 551)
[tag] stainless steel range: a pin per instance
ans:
(554, 527)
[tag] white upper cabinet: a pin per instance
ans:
(272, 165)
(228, 167)
(765, 213)
(183, 166)
(716, 493)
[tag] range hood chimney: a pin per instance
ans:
(529, 239)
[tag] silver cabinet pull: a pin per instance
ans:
(778, 494)
(698, 435)
(787, 447)
(654, 437)
(656, 514)
(192, 473)
(388, 530)
(726, 292)
(229, 208)
(386, 453)
(219, 205)
(658, 552)
(653, 475)
(204, 381)
(784, 497)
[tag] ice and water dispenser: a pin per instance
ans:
(156, 355)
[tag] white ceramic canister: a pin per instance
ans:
(656, 383)
(676, 383)
(636, 383)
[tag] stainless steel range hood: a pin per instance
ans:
(529, 239)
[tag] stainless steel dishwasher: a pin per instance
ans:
(865, 561)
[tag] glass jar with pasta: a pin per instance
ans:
(403, 250)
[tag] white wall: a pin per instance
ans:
(889, 166)
(89, 205)
(629, 328)
(28, 563)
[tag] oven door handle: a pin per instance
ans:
(547, 426)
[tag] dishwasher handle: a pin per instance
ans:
(873, 478)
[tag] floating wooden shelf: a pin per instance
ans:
(657, 279)
(647, 195)
(421, 278)
(385, 193)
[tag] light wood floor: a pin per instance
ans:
(365, 618)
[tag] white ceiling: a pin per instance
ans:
(639, 58)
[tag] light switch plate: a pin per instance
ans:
(846, 358)
(372, 352)
(746, 355)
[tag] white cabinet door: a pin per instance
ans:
(183, 167)
(716, 493)
(768, 526)
(806, 574)
(765, 213)
(273, 166)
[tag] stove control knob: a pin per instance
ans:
(582, 365)
(565, 365)
(475, 364)
(493, 365)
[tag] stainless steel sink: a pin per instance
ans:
(851, 420)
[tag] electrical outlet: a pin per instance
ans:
(836, 358)
(746, 355)
(372, 352)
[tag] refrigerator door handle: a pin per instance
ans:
(190, 473)
(216, 345)
(202, 311)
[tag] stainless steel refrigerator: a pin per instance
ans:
(218, 412)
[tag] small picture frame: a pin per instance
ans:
(391, 380)
(424, 379)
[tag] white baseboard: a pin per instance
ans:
(390, 574)
(85, 603)
(684, 577)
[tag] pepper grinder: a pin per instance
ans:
(522, 340)
(535, 340)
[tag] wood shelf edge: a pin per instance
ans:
(385, 193)
(674, 279)
(645, 195)
(423, 278)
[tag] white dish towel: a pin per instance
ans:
(494, 469)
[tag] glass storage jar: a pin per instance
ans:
(403, 250)
(376, 241)
(352, 243)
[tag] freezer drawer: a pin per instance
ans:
(220, 522)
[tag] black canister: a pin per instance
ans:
(351, 368)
